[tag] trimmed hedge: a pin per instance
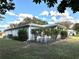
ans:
(63, 34)
(22, 35)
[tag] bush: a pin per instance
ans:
(55, 32)
(63, 34)
(10, 36)
(22, 35)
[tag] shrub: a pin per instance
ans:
(63, 34)
(36, 31)
(10, 36)
(55, 32)
(15, 37)
(22, 35)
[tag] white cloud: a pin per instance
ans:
(76, 21)
(66, 17)
(54, 19)
(11, 13)
(51, 22)
(36, 17)
(63, 16)
(20, 18)
(16, 21)
(44, 13)
(55, 13)
(22, 15)
(63, 19)
(25, 15)
(44, 18)
(66, 13)
(3, 27)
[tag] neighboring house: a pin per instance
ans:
(2, 34)
(71, 32)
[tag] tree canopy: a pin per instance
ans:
(6, 5)
(29, 21)
(67, 24)
(76, 27)
(73, 4)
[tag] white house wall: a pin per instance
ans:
(15, 32)
(8, 32)
(71, 32)
(29, 34)
(29, 30)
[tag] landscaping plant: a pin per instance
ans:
(22, 35)
(63, 34)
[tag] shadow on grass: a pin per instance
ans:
(66, 49)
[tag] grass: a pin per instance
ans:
(66, 49)
(76, 35)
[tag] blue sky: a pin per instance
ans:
(27, 7)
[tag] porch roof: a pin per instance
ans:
(33, 25)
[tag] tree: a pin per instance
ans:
(6, 5)
(76, 27)
(34, 20)
(73, 4)
(67, 24)
(13, 25)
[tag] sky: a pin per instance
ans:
(26, 8)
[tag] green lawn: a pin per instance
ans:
(77, 35)
(67, 49)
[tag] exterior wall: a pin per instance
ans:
(71, 32)
(30, 35)
(8, 32)
(15, 32)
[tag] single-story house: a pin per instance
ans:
(71, 32)
(29, 27)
